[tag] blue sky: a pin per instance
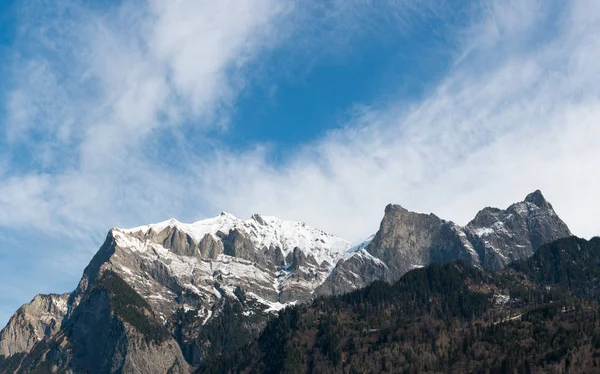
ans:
(127, 112)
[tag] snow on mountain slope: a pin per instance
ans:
(276, 262)
(263, 231)
(223, 223)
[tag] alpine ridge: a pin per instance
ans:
(165, 296)
(408, 240)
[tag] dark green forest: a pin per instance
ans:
(536, 316)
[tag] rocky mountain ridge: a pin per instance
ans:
(214, 284)
(33, 322)
(407, 240)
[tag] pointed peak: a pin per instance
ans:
(394, 207)
(170, 223)
(272, 220)
(258, 218)
(536, 198)
(227, 215)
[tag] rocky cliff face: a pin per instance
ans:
(503, 236)
(164, 297)
(112, 329)
(33, 322)
(491, 240)
(408, 240)
(356, 270)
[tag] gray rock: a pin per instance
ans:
(353, 273)
(408, 240)
(236, 244)
(33, 322)
(178, 242)
(209, 247)
(493, 239)
(103, 335)
(503, 236)
(301, 259)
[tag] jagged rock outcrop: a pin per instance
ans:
(33, 322)
(190, 280)
(177, 241)
(112, 329)
(408, 240)
(209, 247)
(503, 236)
(236, 244)
(356, 271)
(493, 239)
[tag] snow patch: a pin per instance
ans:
(483, 231)
(273, 306)
(501, 299)
(60, 304)
(208, 315)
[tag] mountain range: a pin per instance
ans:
(170, 297)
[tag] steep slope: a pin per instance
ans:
(503, 236)
(408, 240)
(450, 318)
(39, 319)
(570, 265)
(356, 269)
(280, 261)
(112, 329)
(224, 269)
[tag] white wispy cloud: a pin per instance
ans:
(91, 87)
(509, 118)
(95, 90)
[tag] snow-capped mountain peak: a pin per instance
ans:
(263, 231)
(221, 223)
(277, 261)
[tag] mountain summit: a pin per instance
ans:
(169, 295)
(407, 240)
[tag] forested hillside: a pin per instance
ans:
(538, 315)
